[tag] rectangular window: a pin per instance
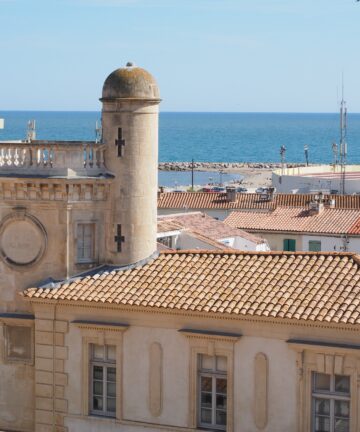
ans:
(212, 394)
(314, 246)
(167, 241)
(18, 343)
(289, 245)
(103, 380)
(330, 403)
(85, 242)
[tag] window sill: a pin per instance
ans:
(154, 426)
(102, 416)
(86, 264)
(211, 428)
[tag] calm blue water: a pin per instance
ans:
(212, 137)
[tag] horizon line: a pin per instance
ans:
(178, 112)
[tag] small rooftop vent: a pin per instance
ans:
(316, 205)
(268, 194)
(230, 193)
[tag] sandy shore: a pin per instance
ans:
(254, 174)
(253, 177)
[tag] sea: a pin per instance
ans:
(209, 137)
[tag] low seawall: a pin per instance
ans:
(216, 166)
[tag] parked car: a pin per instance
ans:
(218, 189)
(241, 189)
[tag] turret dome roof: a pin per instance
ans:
(130, 82)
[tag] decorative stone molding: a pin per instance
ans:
(100, 326)
(101, 333)
(155, 379)
(211, 335)
(329, 358)
(18, 338)
(52, 190)
(23, 239)
(59, 158)
(261, 390)
(212, 343)
(51, 378)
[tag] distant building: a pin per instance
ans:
(326, 178)
(303, 228)
(220, 205)
(197, 230)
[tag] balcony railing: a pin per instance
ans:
(53, 158)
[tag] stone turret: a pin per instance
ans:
(130, 101)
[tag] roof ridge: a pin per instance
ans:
(265, 253)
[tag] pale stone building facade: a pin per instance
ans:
(101, 333)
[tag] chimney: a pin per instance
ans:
(230, 193)
(271, 193)
(160, 191)
(316, 206)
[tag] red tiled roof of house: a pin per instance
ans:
(204, 225)
(288, 219)
(355, 228)
(318, 287)
(204, 200)
(167, 225)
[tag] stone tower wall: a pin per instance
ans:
(133, 126)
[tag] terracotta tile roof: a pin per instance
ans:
(355, 228)
(203, 225)
(288, 219)
(203, 200)
(161, 247)
(209, 241)
(167, 225)
(321, 287)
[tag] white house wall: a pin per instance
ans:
(328, 243)
(217, 214)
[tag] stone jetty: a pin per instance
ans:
(216, 166)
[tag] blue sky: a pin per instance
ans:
(207, 55)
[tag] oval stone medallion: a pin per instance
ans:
(22, 241)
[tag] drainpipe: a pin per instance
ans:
(68, 240)
(53, 374)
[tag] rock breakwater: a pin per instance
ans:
(216, 166)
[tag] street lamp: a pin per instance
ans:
(221, 172)
(282, 155)
(306, 150)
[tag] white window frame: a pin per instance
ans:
(211, 344)
(105, 363)
(332, 396)
(314, 241)
(214, 374)
(100, 334)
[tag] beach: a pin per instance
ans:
(254, 175)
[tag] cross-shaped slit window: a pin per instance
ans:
(119, 239)
(120, 143)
